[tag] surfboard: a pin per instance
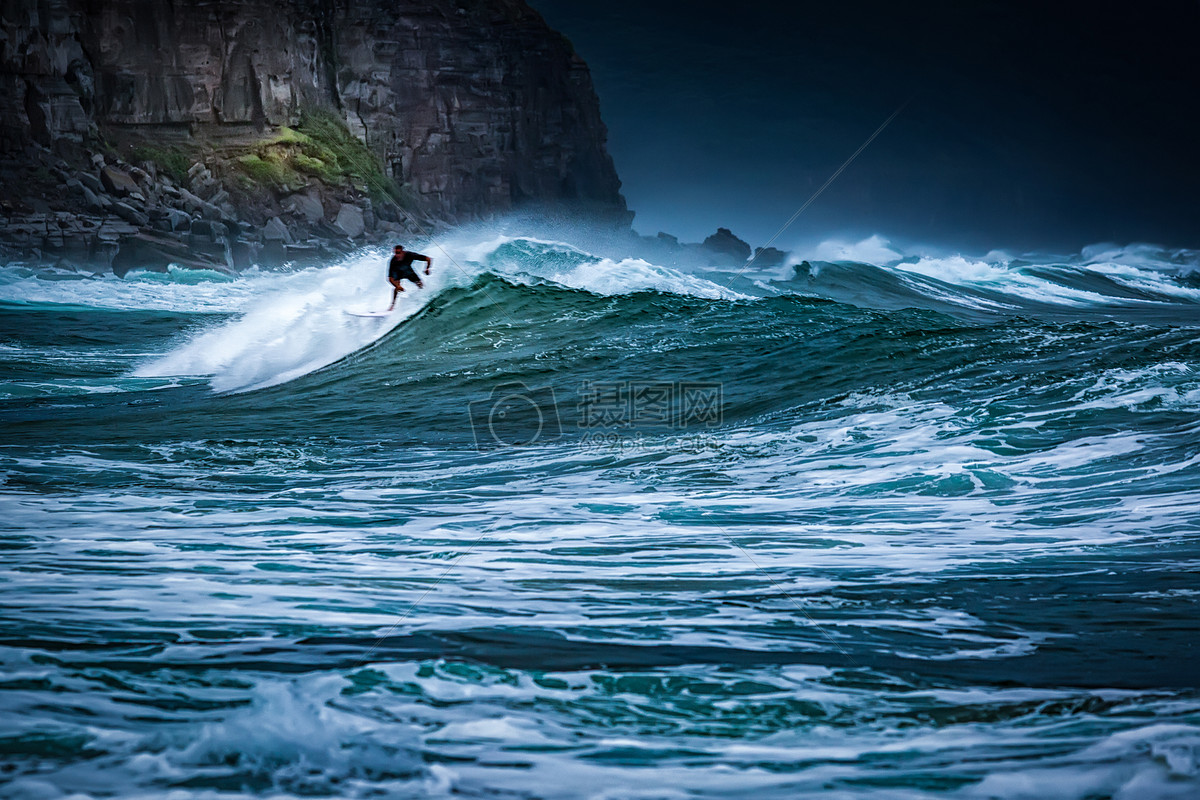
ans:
(367, 313)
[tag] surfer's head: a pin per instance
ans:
(399, 248)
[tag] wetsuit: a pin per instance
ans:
(401, 267)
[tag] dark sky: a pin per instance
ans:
(1050, 124)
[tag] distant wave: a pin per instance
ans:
(874, 273)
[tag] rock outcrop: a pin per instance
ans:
(281, 125)
(727, 247)
(720, 249)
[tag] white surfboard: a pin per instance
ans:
(367, 313)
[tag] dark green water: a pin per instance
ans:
(565, 527)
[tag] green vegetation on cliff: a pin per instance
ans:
(172, 161)
(321, 146)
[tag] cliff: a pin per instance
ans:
(280, 125)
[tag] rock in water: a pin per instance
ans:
(765, 257)
(727, 247)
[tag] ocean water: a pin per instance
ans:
(569, 525)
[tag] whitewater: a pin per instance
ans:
(882, 522)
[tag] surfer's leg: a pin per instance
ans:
(411, 275)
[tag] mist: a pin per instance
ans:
(1022, 126)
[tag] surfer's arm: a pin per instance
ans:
(428, 264)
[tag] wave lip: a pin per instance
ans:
(521, 259)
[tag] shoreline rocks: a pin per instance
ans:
(136, 221)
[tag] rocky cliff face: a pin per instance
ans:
(471, 107)
(476, 105)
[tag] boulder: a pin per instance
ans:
(243, 253)
(179, 220)
(199, 207)
(92, 201)
(276, 231)
(91, 181)
(118, 182)
(303, 254)
(306, 206)
(272, 254)
(190, 201)
(350, 221)
(130, 214)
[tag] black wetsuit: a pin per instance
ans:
(401, 267)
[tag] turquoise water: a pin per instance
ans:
(568, 526)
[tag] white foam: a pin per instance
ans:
(1142, 267)
(299, 326)
(609, 277)
(175, 290)
(1171, 384)
(1142, 255)
(1150, 280)
(1155, 761)
(959, 270)
(872, 250)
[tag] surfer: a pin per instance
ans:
(401, 268)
